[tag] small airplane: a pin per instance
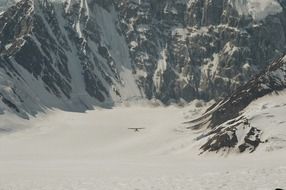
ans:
(136, 129)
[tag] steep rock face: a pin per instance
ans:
(74, 54)
(200, 49)
(225, 123)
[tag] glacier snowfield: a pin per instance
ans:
(96, 151)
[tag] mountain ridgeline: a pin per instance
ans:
(76, 54)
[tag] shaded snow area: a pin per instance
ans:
(96, 150)
(258, 9)
(4, 4)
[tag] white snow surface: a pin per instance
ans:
(268, 114)
(258, 9)
(96, 150)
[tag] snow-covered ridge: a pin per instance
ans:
(258, 9)
(229, 123)
(260, 127)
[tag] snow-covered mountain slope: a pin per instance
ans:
(65, 57)
(240, 121)
(63, 150)
(76, 54)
